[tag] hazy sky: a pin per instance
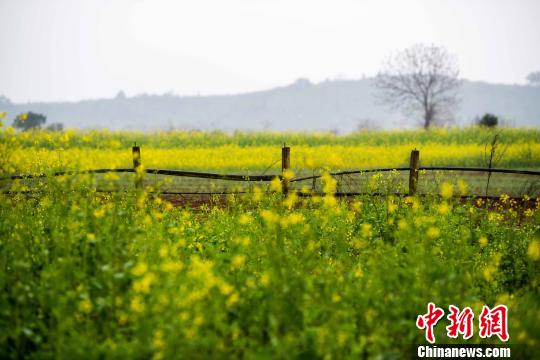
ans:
(75, 49)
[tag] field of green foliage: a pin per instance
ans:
(87, 274)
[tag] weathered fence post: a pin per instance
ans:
(285, 165)
(413, 172)
(136, 151)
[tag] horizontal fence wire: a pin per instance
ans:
(212, 176)
(475, 169)
(235, 177)
(427, 168)
(68, 172)
(350, 172)
(179, 173)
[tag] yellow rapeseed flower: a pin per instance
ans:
(140, 269)
(238, 261)
(233, 299)
(85, 306)
(143, 285)
(402, 224)
(488, 272)
(275, 185)
(265, 279)
(290, 200)
(245, 219)
(534, 250)
(172, 266)
(329, 183)
(158, 342)
(137, 304)
(356, 206)
(483, 241)
(330, 201)
(463, 187)
(447, 190)
(288, 174)
(99, 213)
(257, 194)
(366, 230)
(443, 208)
(433, 232)
(225, 288)
(269, 217)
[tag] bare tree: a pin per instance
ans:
(422, 79)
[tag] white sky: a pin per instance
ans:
(75, 49)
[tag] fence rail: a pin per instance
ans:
(238, 177)
(413, 169)
(180, 173)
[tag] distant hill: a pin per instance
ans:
(340, 105)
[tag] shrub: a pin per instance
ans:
(488, 120)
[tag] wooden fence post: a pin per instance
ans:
(285, 165)
(413, 172)
(136, 151)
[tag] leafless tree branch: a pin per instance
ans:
(421, 79)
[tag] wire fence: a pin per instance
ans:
(402, 180)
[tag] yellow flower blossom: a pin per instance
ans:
(391, 205)
(143, 285)
(488, 272)
(275, 185)
(330, 201)
(443, 208)
(288, 174)
(238, 261)
(534, 250)
(258, 193)
(245, 219)
(447, 190)
(269, 217)
(290, 200)
(225, 288)
(463, 187)
(356, 206)
(329, 184)
(233, 299)
(402, 224)
(172, 266)
(433, 232)
(99, 213)
(483, 241)
(265, 279)
(366, 230)
(140, 269)
(158, 342)
(85, 306)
